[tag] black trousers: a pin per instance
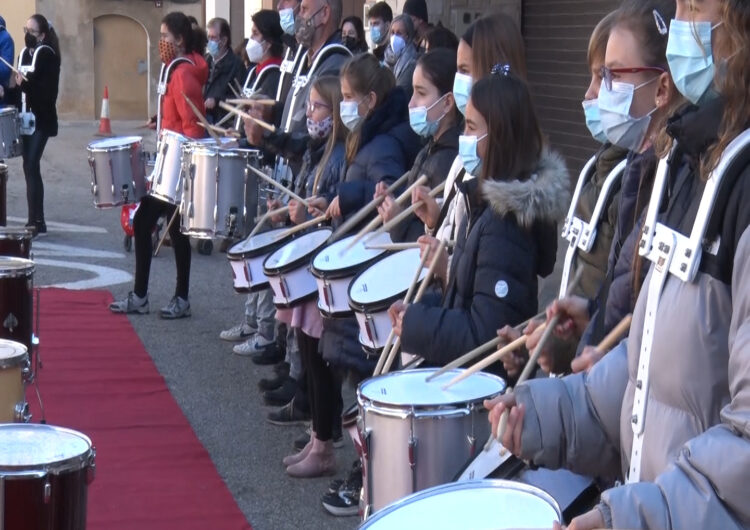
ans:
(323, 388)
(145, 220)
(32, 150)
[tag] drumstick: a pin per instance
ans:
(246, 101)
(406, 213)
(498, 355)
(400, 246)
(422, 289)
(224, 120)
(307, 224)
(270, 213)
(546, 334)
(369, 207)
(392, 334)
(6, 63)
(377, 220)
(245, 115)
(164, 235)
(618, 331)
(225, 132)
(201, 118)
(479, 350)
(234, 91)
(279, 186)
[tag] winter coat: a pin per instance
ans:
(594, 263)
(7, 52)
(434, 161)
(187, 78)
(42, 87)
(403, 70)
(331, 176)
(225, 72)
(387, 149)
(506, 242)
(696, 447)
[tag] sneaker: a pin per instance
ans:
(177, 307)
(345, 501)
(301, 442)
(288, 415)
(282, 395)
(336, 483)
(237, 333)
(132, 304)
(258, 347)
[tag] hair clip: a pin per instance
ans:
(499, 69)
(660, 24)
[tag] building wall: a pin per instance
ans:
(16, 13)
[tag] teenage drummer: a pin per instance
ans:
(179, 42)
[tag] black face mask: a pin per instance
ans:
(350, 42)
(30, 40)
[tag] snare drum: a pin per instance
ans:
(334, 267)
(247, 257)
(166, 180)
(479, 505)
(118, 171)
(214, 191)
(15, 241)
(373, 291)
(10, 133)
(16, 305)
(45, 472)
(418, 435)
(288, 268)
(14, 373)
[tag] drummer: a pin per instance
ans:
(692, 407)
(509, 237)
(178, 43)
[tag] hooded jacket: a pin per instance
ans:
(508, 239)
(387, 149)
(7, 52)
(696, 447)
(187, 78)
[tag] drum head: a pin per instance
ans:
(409, 388)
(120, 141)
(335, 257)
(481, 504)
(291, 254)
(256, 244)
(381, 283)
(15, 267)
(12, 353)
(34, 446)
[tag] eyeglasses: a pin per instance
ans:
(607, 74)
(313, 105)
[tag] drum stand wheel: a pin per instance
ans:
(205, 247)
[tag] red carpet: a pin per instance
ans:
(151, 470)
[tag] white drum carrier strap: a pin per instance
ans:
(580, 234)
(672, 253)
(288, 67)
(161, 89)
(248, 91)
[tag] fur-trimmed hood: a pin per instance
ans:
(543, 197)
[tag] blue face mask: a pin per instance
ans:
(397, 44)
(621, 128)
(286, 17)
(213, 48)
(349, 111)
(420, 124)
(462, 84)
(691, 62)
(375, 35)
(594, 120)
(467, 150)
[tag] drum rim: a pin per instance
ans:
(254, 253)
(91, 147)
(9, 109)
(17, 360)
(352, 270)
(380, 305)
(292, 265)
(8, 232)
(361, 398)
(56, 467)
(27, 270)
(463, 485)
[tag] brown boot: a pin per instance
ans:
(297, 457)
(320, 461)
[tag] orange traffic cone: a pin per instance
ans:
(105, 126)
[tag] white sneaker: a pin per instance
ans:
(257, 344)
(237, 333)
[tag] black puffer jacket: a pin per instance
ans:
(42, 87)
(508, 240)
(387, 149)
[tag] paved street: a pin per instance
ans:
(216, 390)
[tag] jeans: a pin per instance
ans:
(260, 313)
(32, 150)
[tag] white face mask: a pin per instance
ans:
(619, 126)
(254, 51)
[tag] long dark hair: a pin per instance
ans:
(179, 25)
(495, 39)
(50, 36)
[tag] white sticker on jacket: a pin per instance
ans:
(501, 289)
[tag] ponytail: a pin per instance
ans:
(50, 35)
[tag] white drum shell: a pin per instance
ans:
(10, 133)
(166, 180)
(292, 287)
(374, 328)
(239, 275)
(333, 296)
(118, 171)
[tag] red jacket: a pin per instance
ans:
(176, 114)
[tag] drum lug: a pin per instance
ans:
(472, 443)
(370, 328)
(47, 491)
(125, 192)
(284, 287)
(231, 221)
(412, 452)
(26, 374)
(91, 469)
(248, 274)
(327, 293)
(21, 412)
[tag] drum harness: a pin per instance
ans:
(248, 91)
(161, 89)
(26, 117)
(678, 255)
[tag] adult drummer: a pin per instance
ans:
(178, 44)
